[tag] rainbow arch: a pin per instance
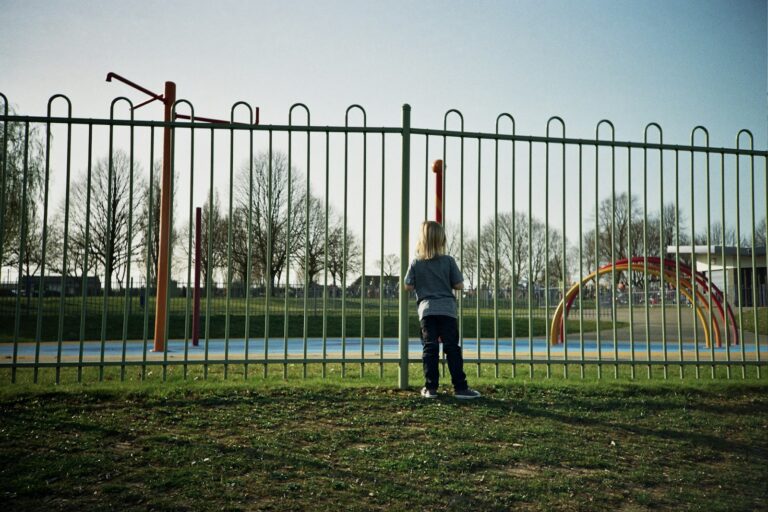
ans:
(693, 285)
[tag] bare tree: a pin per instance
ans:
(622, 234)
(275, 199)
(150, 231)
(22, 157)
(390, 266)
(464, 250)
(727, 236)
(760, 233)
(310, 255)
(344, 253)
(114, 229)
(213, 239)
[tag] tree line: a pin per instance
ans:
(110, 227)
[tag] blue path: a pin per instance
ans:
(334, 346)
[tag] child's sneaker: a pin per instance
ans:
(428, 393)
(467, 394)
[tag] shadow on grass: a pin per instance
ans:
(523, 407)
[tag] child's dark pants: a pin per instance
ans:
(444, 327)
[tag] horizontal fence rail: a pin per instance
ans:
(288, 243)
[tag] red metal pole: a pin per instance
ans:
(165, 223)
(437, 168)
(196, 307)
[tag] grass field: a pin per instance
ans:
(762, 320)
(358, 444)
(134, 326)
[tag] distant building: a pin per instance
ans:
(52, 285)
(372, 286)
(731, 269)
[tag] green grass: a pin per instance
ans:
(748, 316)
(135, 326)
(356, 444)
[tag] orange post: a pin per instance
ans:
(169, 98)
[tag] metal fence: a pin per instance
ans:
(577, 254)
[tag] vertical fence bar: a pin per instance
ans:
(344, 257)
(426, 178)
(461, 210)
(108, 258)
(630, 255)
(709, 256)
(530, 258)
(694, 270)
(496, 263)
(563, 275)
(150, 242)
(64, 269)
(209, 260)
(478, 256)
(722, 259)
(677, 264)
(190, 223)
(546, 252)
(129, 251)
(23, 215)
(171, 149)
(307, 221)
(613, 260)
(546, 243)
(288, 236)
(325, 254)
(249, 248)
(661, 251)
(41, 281)
(515, 256)
(405, 197)
(582, 367)
(196, 305)
(270, 238)
(229, 247)
(84, 302)
(496, 257)
(362, 273)
(757, 338)
(741, 293)
(381, 267)
(754, 261)
(597, 257)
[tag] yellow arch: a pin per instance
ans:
(686, 289)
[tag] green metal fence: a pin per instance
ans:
(578, 254)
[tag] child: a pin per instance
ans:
(434, 275)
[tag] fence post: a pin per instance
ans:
(405, 180)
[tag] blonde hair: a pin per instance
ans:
(431, 240)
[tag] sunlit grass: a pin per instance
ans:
(360, 444)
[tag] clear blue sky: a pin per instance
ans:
(680, 63)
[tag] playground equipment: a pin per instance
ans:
(168, 99)
(693, 285)
(437, 168)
